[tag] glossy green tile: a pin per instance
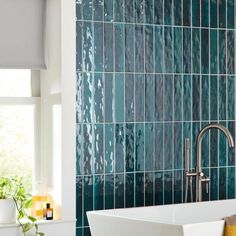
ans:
(149, 184)
(178, 98)
(196, 61)
(119, 148)
(129, 11)
(214, 188)
(139, 97)
(87, 97)
(108, 10)
(196, 13)
(149, 97)
(230, 14)
(222, 97)
(139, 11)
(149, 146)
(186, 12)
(109, 98)
(98, 46)
(222, 14)
(214, 52)
(79, 97)
(168, 50)
(79, 201)
(88, 49)
(109, 148)
(159, 90)
(230, 52)
(129, 48)
(129, 190)
(230, 97)
(98, 149)
(139, 189)
(159, 49)
(214, 142)
(168, 147)
(88, 149)
(119, 97)
(187, 91)
(79, 45)
(87, 9)
(178, 146)
(187, 50)
(168, 190)
(159, 145)
(195, 96)
(205, 147)
(79, 149)
(213, 98)
(205, 13)
(223, 155)
(139, 146)
(205, 87)
(98, 191)
(87, 231)
(213, 14)
(205, 51)
(148, 6)
(178, 50)
(98, 9)
(231, 183)
(168, 97)
(78, 10)
(129, 97)
(196, 127)
(159, 187)
(109, 192)
(178, 183)
(158, 12)
(119, 191)
(178, 12)
(139, 48)
(108, 47)
(119, 10)
(87, 197)
(231, 151)
(222, 183)
(222, 51)
(98, 97)
(149, 49)
(168, 12)
(129, 147)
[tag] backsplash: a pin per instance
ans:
(151, 73)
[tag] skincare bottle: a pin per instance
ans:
(48, 212)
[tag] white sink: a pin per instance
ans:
(191, 219)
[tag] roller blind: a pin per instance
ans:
(22, 34)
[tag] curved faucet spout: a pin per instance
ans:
(200, 136)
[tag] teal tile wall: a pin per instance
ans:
(149, 74)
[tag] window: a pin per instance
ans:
(18, 125)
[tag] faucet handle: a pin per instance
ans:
(206, 180)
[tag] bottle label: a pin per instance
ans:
(49, 214)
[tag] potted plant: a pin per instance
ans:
(13, 198)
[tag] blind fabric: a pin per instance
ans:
(22, 34)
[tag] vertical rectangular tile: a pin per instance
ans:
(168, 147)
(129, 48)
(158, 12)
(222, 52)
(196, 127)
(129, 10)
(79, 45)
(149, 184)
(158, 49)
(230, 97)
(88, 50)
(139, 48)
(148, 6)
(79, 201)
(119, 47)
(87, 197)
(78, 10)
(223, 155)
(129, 190)
(231, 151)
(178, 183)
(168, 12)
(168, 50)
(187, 103)
(196, 51)
(186, 12)
(119, 97)
(108, 10)
(178, 98)
(139, 97)
(149, 49)
(159, 144)
(230, 52)
(213, 98)
(222, 14)
(79, 149)
(109, 97)
(129, 147)
(222, 97)
(98, 191)
(205, 83)
(222, 183)
(98, 97)
(196, 13)
(187, 50)
(98, 149)
(139, 11)
(87, 9)
(159, 187)
(119, 147)
(98, 9)
(205, 147)
(139, 189)
(149, 97)
(129, 97)
(231, 183)
(88, 149)
(109, 161)
(119, 10)
(159, 97)
(214, 162)
(213, 13)
(168, 190)
(178, 146)
(109, 192)
(178, 12)
(196, 95)
(79, 97)
(79, 231)
(178, 50)
(205, 51)
(149, 146)
(87, 231)
(187, 133)
(230, 14)
(119, 191)
(98, 46)
(139, 146)
(205, 13)
(108, 47)
(168, 97)
(213, 52)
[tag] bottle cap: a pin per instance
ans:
(48, 205)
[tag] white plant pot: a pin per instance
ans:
(7, 211)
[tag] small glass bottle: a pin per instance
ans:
(48, 212)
